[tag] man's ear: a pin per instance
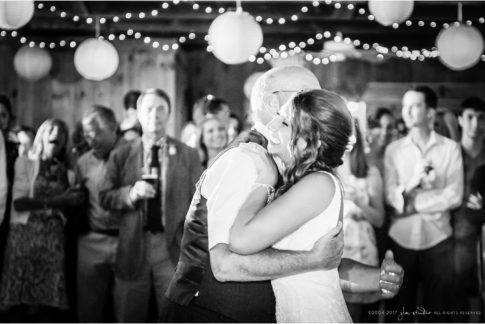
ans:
(460, 121)
(271, 103)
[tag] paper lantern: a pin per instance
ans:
(250, 81)
(32, 63)
(96, 59)
(234, 36)
(389, 12)
(15, 14)
(460, 47)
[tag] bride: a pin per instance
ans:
(309, 138)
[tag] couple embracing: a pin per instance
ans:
(263, 236)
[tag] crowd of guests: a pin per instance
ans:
(69, 250)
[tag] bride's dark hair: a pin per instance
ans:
(322, 119)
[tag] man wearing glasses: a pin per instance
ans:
(213, 284)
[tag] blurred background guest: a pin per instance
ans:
(25, 138)
(382, 126)
(130, 127)
(98, 242)
(423, 183)
(7, 163)
(234, 128)
(189, 131)
(213, 139)
(445, 123)
(469, 218)
(79, 144)
(363, 209)
(33, 278)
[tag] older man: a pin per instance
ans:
(213, 284)
(97, 247)
(153, 214)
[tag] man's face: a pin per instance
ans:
(99, 136)
(472, 123)
(153, 113)
(279, 131)
(414, 110)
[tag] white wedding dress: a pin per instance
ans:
(312, 296)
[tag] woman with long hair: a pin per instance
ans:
(363, 209)
(33, 275)
(212, 139)
(309, 137)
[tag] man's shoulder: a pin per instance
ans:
(396, 145)
(179, 146)
(85, 158)
(124, 148)
(244, 153)
(447, 142)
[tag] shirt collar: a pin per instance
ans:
(434, 138)
(147, 144)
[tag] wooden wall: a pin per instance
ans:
(65, 94)
(189, 74)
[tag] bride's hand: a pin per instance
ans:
(328, 250)
(391, 276)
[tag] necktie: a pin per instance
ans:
(153, 207)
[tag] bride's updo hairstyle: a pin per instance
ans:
(322, 119)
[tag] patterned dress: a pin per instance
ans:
(34, 260)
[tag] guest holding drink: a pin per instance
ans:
(152, 216)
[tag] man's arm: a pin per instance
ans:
(392, 188)
(112, 195)
(272, 264)
(449, 197)
(362, 283)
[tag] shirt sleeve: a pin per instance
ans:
(449, 197)
(226, 186)
(393, 189)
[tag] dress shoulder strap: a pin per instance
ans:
(339, 185)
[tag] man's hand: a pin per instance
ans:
(327, 251)
(475, 201)
(391, 276)
(142, 190)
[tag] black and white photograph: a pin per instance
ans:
(198, 161)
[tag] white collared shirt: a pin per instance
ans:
(431, 224)
(227, 184)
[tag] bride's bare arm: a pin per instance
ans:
(254, 230)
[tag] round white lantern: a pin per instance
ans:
(234, 36)
(250, 81)
(15, 14)
(460, 47)
(96, 59)
(32, 63)
(389, 12)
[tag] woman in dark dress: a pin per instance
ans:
(33, 274)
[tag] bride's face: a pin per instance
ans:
(280, 136)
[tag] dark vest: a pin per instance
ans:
(240, 301)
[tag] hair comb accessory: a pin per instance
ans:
(351, 143)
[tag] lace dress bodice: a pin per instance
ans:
(312, 296)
